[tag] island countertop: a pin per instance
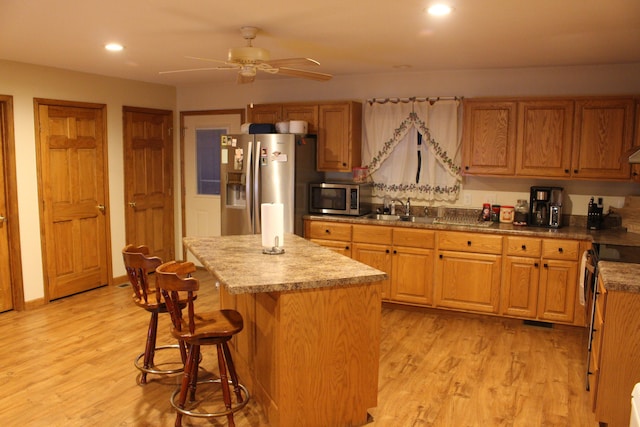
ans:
(240, 266)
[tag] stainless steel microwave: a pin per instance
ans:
(340, 198)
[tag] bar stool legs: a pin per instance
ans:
(145, 361)
(190, 381)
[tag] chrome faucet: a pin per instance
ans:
(406, 207)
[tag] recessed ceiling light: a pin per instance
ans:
(114, 47)
(439, 9)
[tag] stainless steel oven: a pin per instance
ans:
(602, 252)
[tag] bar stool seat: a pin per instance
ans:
(198, 329)
(139, 266)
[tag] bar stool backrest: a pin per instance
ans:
(174, 281)
(139, 266)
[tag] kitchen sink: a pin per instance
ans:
(404, 218)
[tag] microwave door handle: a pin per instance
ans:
(256, 189)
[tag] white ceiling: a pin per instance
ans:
(346, 36)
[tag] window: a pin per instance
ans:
(208, 160)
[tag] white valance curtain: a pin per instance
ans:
(412, 148)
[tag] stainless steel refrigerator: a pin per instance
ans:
(265, 168)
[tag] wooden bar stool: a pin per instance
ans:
(139, 266)
(196, 329)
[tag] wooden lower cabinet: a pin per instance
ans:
(614, 367)
(290, 341)
(468, 271)
(406, 255)
(516, 276)
(335, 236)
(540, 279)
(468, 281)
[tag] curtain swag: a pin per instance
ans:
(422, 164)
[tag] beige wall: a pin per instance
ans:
(592, 80)
(24, 83)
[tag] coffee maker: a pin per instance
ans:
(545, 207)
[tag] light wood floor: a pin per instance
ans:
(71, 364)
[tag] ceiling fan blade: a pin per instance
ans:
(292, 62)
(207, 59)
(312, 75)
(197, 69)
(242, 79)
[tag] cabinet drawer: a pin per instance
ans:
(524, 246)
(560, 249)
(414, 238)
(372, 234)
(470, 242)
(329, 230)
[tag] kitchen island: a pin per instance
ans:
(309, 351)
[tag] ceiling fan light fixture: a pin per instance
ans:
(248, 55)
(247, 71)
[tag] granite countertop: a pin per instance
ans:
(620, 276)
(612, 237)
(239, 264)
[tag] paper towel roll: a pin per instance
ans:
(272, 224)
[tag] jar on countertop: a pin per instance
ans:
(506, 214)
(521, 214)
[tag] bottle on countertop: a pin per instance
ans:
(521, 216)
(594, 214)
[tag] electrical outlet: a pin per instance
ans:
(467, 199)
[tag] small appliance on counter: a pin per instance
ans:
(545, 207)
(340, 198)
(594, 215)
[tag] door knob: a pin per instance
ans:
(132, 204)
(101, 208)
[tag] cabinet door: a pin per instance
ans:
(545, 130)
(468, 281)
(376, 256)
(327, 230)
(342, 248)
(264, 113)
(603, 136)
(489, 137)
(308, 113)
(558, 283)
(339, 136)
(412, 275)
(520, 287)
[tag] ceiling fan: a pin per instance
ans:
(247, 60)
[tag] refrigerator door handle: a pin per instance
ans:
(256, 158)
(249, 194)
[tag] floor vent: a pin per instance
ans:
(124, 285)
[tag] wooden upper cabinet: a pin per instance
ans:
(489, 137)
(273, 113)
(545, 130)
(264, 113)
(339, 136)
(602, 138)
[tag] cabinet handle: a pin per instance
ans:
(346, 247)
(327, 231)
(560, 250)
(441, 256)
(545, 265)
(575, 171)
(524, 247)
(466, 168)
(536, 265)
(387, 250)
(468, 242)
(395, 252)
(344, 164)
(566, 171)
